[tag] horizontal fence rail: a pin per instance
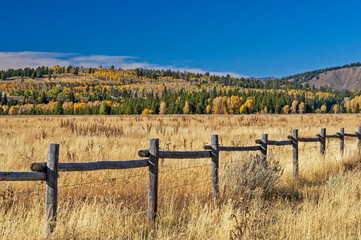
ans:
(235, 149)
(351, 135)
(333, 136)
(177, 154)
(308, 139)
(92, 166)
(49, 171)
(22, 176)
(275, 143)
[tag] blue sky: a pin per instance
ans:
(244, 38)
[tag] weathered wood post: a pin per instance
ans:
(214, 165)
(51, 197)
(295, 152)
(264, 141)
(322, 141)
(153, 180)
(342, 140)
(359, 138)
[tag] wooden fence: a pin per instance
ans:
(49, 171)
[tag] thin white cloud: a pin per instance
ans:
(31, 59)
(34, 59)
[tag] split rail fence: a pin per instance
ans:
(49, 171)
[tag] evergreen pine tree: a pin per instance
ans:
(4, 101)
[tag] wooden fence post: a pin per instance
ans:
(153, 180)
(359, 138)
(342, 140)
(322, 141)
(264, 141)
(295, 152)
(51, 197)
(214, 165)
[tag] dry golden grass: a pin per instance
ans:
(111, 204)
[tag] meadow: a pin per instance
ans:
(111, 204)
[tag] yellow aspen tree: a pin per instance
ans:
(323, 109)
(146, 111)
(286, 109)
(5, 109)
(13, 110)
(336, 108)
(163, 108)
(301, 107)
(234, 103)
(354, 103)
(218, 106)
(348, 106)
(294, 106)
(249, 105)
(242, 109)
(186, 108)
(265, 110)
(208, 109)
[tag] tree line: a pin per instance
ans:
(204, 101)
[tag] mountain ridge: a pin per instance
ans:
(346, 77)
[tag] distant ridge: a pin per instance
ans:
(341, 77)
(263, 78)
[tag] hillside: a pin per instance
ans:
(346, 78)
(341, 77)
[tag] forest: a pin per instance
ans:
(110, 91)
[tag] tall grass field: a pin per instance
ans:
(255, 201)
